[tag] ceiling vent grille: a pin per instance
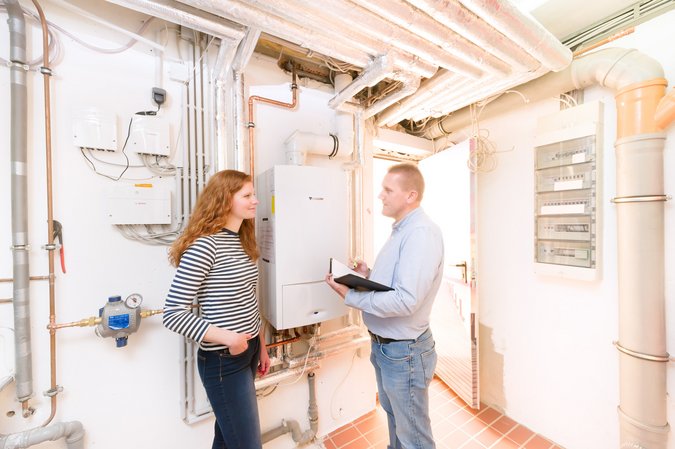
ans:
(631, 16)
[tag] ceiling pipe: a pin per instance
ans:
(422, 25)
(315, 16)
(589, 69)
(187, 16)
(523, 30)
(410, 83)
(473, 28)
(397, 37)
(638, 81)
(300, 34)
(378, 70)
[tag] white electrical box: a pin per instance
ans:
(149, 135)
(567, 187)
(303, 221)
(95, 129)
(139, 204)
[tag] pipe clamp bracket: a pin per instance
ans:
(53, 391)
(20, 248)
(20, 65)
(641, 199)
(46, 71)
(640, 355)
(50, 247)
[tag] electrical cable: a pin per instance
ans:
(332, 398)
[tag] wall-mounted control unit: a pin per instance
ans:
(567, 185)
(303, 221)
(138, 204)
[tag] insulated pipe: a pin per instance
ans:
(19, 183)
(185, 15)
(428, 89)
(611, 67)
(467, 24)
(72, 430)
(397, 37)
(407, 17)
(242, 13)
(410, 84)
(376, 71)
(523, 30)
(315, 17)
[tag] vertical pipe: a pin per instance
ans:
(19, 182)
(47, 73)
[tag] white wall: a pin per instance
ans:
(129, 397)
(547, 357)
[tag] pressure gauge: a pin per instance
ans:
(133, 301)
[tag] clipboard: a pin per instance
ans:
(342, 274)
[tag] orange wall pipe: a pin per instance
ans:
(636, 107)
(665, 111)
(251, 123)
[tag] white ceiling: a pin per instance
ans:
(565, 17)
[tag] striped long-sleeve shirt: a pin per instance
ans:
(217, 272)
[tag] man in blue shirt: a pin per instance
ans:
(402, 350)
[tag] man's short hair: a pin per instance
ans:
(411, 177)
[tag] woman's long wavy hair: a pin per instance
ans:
(210, 215)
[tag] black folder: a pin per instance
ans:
(345, 276)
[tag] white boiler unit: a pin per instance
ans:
(303, 221)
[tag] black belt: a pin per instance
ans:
(383, 340)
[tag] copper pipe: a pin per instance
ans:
(32, 278)
(282, 342)
(606, 40)
(251, 123)
(46, 72)
(95, 320)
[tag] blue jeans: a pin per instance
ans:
(404, 370)
(229, 384)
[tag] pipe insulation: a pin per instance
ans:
(184, 15)
(19, 185)
(72, 431)
(615, 68)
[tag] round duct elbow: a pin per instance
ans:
(615, 68)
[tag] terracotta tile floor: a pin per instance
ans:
(454, 425)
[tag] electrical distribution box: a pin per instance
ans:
(139, 204)
(303, 221)
(567, 184)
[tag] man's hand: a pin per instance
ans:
(360, 267)
(339, 288)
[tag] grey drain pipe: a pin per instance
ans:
(292, 426)
(73, 432)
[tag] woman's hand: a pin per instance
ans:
(236, 343)
(264, 363)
